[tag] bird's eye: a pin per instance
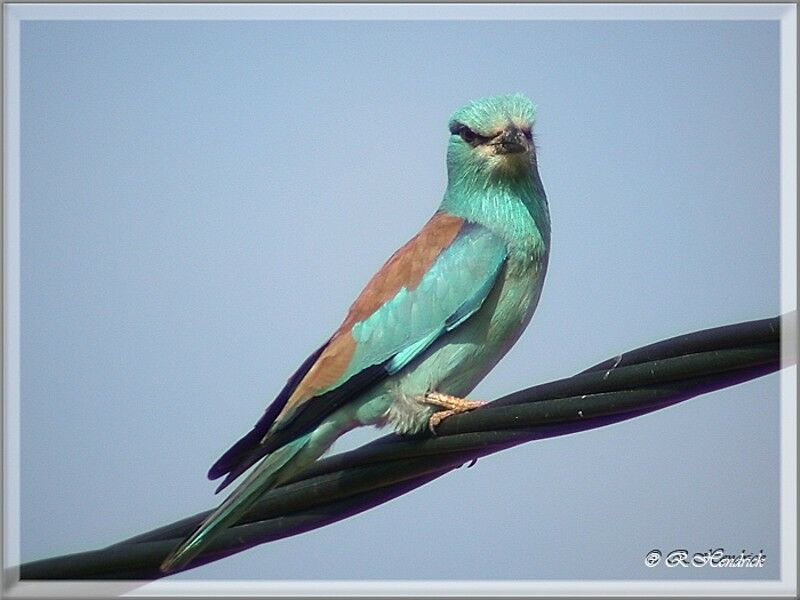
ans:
(467, 134)
(528, 134)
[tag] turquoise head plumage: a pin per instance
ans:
(492, 138)
(492, 169)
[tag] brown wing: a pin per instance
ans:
(319, 379)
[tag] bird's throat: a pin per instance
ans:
(512, 204)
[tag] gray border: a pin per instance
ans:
(14, 13)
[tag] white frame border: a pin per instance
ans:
(15, 13)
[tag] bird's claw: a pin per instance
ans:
(437, 418)
(453, 404)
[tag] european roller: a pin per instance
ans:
(428, 326)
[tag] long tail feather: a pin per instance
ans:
(276, 467)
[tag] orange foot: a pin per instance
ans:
(453, 404)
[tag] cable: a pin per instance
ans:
(629, 385)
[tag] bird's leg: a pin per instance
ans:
(453, 404)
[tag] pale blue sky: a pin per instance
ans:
(201, 201)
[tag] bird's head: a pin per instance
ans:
(492, 137)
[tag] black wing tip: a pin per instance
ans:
(241, 450)
(233, 455)
(216, 471)
(230, 466)
(221, 466)
(260, 440)
(225, 483)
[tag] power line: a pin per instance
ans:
(626, 386)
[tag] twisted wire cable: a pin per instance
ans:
(623, 387)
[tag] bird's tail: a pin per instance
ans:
(276, 467)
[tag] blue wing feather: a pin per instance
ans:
(452, 290)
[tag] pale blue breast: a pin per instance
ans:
(456, 362)
(460, 360)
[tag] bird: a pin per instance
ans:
(427, 327)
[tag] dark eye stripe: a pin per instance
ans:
(467, 134)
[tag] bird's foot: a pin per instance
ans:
(453, 404)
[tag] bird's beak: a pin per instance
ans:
(511, 141)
